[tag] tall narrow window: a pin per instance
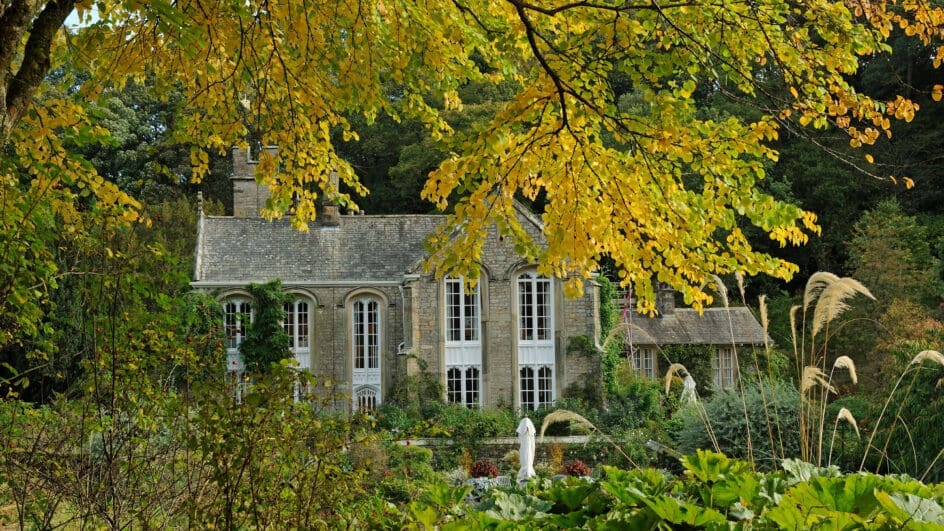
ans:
(296, 324)
(454, 385)
(472, 387)
(724, 367)
(462, 386)
(366, 340)
(534, 307)
(644, 361)
(462, 312)
(545, 386)
(528, 400)
(463, 330)
(237, 314)
(366, 334)
(536, 349)
(297, 328)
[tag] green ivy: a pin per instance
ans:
(266, 341)
(613, 347)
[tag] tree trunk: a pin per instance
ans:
(41, 22)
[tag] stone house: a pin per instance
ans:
(365, 313)
(725, 330)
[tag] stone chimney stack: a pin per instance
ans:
(665, 300)
(249, 198)
(329, 214)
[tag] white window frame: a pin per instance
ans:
(535, 309)
(297, 326)
(365, 332)
(366, 399)
(237, 316)
(644, 361)
(536, 385)
(366, 314)
(462, 329)
(463, 320)
(724, 366)
(537, 364)
(464, 385)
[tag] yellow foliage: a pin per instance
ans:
(618, 180)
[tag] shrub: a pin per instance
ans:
(484, 469)
(409, 473)
(370, 456)
(725, 412)
(576, 468)
(634, 401)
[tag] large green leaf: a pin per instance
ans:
(912, 511)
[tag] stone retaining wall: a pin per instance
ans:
(590, 450)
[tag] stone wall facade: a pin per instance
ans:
(380, 256)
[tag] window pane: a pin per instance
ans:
(472, 387)
(542, 309)
(453, 310)
(454, 386)
(231, 325)
(359, 335)
(471, 315)
(288, 324)
(373, 320)
(462, 311)
(527, 388)
(525, 309)
(302, 324)
(545, 387)
(236, 317)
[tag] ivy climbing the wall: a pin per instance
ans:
(612, 342)
(266, 341)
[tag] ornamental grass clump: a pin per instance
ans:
(923, 356)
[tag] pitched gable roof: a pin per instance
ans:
(360, 248)
(684, 326)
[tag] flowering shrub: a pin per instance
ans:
(576, 468)
(483, 469)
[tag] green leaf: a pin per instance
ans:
(677, 511)
(516, 507)
(914, 511)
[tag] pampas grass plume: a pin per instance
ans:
(674, 368)
(845, 362)
(816, 283)
(722, 289)
(793, 322)
(926, 355)
(813, 376)
(846, 415)
(563, 415)
(832, 301)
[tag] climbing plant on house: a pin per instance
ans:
(266, 341)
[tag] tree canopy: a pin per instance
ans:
(602, 120)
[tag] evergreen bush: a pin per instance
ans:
(773, 416)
